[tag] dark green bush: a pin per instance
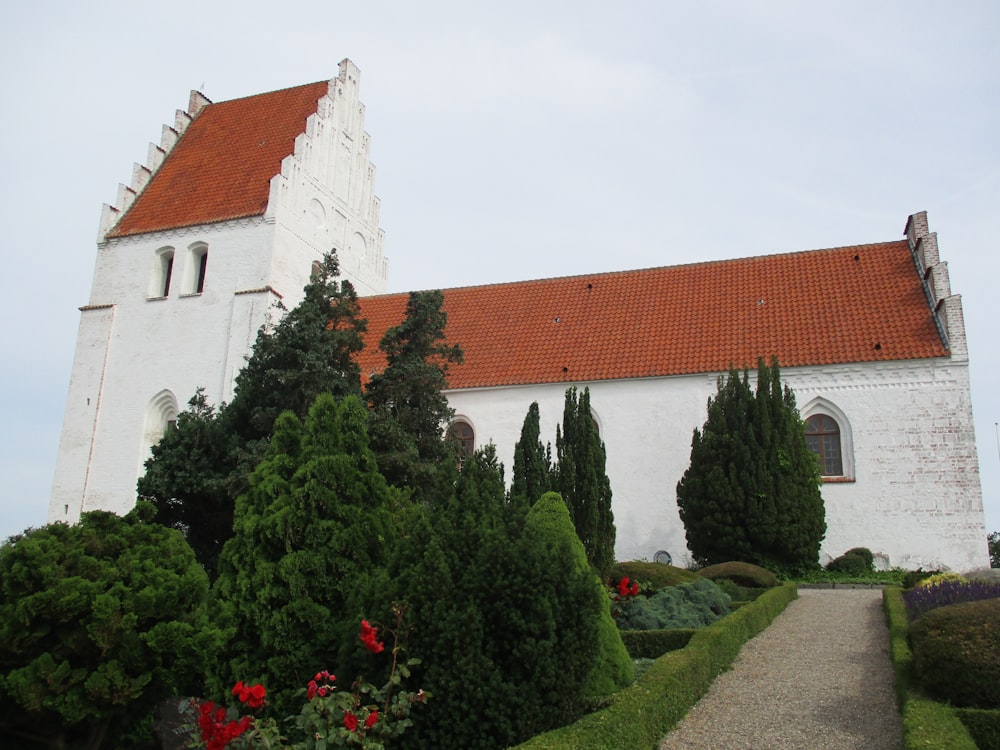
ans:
(738, 594)
(983, 725)
(656, 575)
(857, 561)
(956, 653)
(743, 573)
(687, 605)
(652, 644)
(926, 723)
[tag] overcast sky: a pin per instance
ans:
(516, 141)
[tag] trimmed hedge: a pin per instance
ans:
(983, 725)
(742, 573)
(640, 716)
(652, 644)
(927, 725)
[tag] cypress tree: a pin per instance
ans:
(409, 411)
(582, 481)
(532, 462)
(751, 491)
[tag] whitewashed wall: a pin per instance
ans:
(915, 501)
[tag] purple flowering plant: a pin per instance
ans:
(922, 599)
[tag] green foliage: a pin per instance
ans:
(187, 479)
(197, 471)
(506, 614)
(857, 561)
(652, 644)
(913, 577)
(926, 723)
(751, 491)
(745, 574)
(639, 716)
(657, 575)
(956, 653)
(686, 605)
(532, 476)
(409, 411)
(313, 526)
(993, 547)
(98, 623)
(582, 481)
(983, 725)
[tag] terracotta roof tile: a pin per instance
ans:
(848, 304)
(221, 167)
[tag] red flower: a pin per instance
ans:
(369, 636)
(371, 720)
(350, 721)
(256, 696)
(624, 589)
(311, 690)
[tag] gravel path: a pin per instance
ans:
(819, 678)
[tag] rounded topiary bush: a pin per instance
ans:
(742, 573)
(956, 653)
(857, 561)
(655, 574)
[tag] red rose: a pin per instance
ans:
(368, 637)
(371, 720)
(256, 696)
(350, 721)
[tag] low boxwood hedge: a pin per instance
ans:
(652, 644)
(640, 716)
(927, 724)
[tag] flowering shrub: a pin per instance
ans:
(939, 578)
(366, 716)
(951, 590)
(621, 593)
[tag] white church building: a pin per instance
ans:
(240, 198)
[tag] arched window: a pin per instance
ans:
(823, 439)
(161, 415)
(462, 432)
(195, 268)
(163, 269)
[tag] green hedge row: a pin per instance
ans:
(927, 724)
(640, 716)
(652, 644)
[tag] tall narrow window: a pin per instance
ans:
(195, 268)
(823, 439)
(163, 271)
(202, 265)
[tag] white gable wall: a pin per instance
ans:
(915, 501)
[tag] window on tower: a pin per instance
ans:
(196, 268)
(163, 269)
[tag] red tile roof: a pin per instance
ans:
(848, 304)
(222, 165)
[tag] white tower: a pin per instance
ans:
(236, 204)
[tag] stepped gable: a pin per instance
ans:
(222, 164)
(850, 304)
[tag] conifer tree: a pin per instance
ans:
(582, 481)
(197, 471)
(532, 462)
(409, 412)
(314, 526)
(504, 649)
(751, 492)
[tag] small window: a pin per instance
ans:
(823, 439)
(195, 268)
(163, 271)
(463, 433)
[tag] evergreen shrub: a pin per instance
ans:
(983, 725)
(652, 644)
(742, 573)
(687, 605)
(857, 561)
(956, 653)
(657, 575)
